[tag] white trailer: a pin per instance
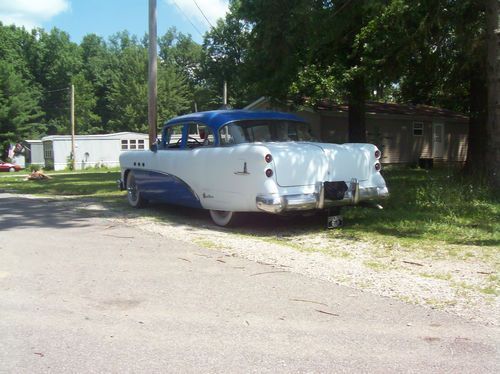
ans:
(91, 150)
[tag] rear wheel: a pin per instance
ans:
(223, 217)
(134, 195)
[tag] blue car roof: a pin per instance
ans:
(218, 118)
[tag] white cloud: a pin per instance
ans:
(213, 10)
(30, 13)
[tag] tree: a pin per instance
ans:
(128, 91)
(181, 52)
(55, 60)
(86, 118)
(436, 52)
(493, 126)
(224, 53)
(295, 40)
(19, 107)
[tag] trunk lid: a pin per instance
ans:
(298, 164)
(302, 163)
(347, 161)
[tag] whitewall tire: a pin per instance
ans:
(223, 217)
(134, 195)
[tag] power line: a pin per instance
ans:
(203, 14)
(57, 90)
(189, 20)
(341, 8)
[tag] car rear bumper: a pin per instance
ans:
(277, 203)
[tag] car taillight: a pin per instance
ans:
(268, 158)
(377, 154)
(378, 166)
(269, 173)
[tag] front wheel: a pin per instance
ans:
(223, 217)
(134, 195)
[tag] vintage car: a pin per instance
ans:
(237, 161)
(7, 166)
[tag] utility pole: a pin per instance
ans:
(73, 155)
(153, 68)
(225, 95)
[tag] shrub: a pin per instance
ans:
(34, 168)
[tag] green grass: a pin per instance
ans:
(427, 207)
(87, 183)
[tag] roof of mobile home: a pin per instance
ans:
(117, 135)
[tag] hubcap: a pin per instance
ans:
(132, 190)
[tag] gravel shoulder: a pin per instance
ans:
(467, 287)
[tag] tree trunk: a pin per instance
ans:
(476, 150)
(357, 112)
(493, 71)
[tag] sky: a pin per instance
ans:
(106, 17)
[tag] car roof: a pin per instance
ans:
(218, 118)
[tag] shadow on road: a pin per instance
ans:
(18, 212)
(259, 224)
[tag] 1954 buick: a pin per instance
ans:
(247, 161)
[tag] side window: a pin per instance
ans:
(206, 135)
(173, 136)
(232, 134)
(199, 135)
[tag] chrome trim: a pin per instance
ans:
(355, 190)
(276, 203)
(120, 184)
(270, 203)
(321, 194)
(301, 202)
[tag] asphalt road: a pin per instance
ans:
(82, 294)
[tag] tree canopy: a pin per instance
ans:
(298, 51)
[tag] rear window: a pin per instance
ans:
(264, 131)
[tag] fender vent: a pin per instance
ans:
(335, 190)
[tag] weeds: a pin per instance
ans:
(430, 206)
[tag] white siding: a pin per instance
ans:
(90, 151)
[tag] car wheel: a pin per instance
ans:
(223, 217)
(12, 170)
(134, 195)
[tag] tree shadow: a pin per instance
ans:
(21, 212)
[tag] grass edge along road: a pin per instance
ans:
(426, 207)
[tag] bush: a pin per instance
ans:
(34, 168)
(49, 165)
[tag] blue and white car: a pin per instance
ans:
(235, 161)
